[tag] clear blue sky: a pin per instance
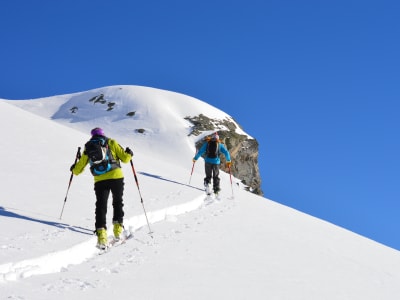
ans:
(315, 82)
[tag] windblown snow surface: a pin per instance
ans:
(242, 246)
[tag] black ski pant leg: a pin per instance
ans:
(215, 171)
(102, 191)
(208, 170)
(117, 190)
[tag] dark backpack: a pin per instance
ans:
(100, 157)
(212, 149)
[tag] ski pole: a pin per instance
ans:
(230, 175)
(191, 172)
(141, 199)
(78, 156)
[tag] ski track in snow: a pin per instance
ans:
(59, 261)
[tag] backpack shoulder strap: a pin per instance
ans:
(113, 159)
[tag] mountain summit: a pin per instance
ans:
(142, 113)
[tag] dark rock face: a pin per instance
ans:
(243, 150)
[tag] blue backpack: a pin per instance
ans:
(100, 157)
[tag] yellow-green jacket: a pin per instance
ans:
(117, 152)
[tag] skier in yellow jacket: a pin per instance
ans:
(108, 177)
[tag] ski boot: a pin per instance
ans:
(207, 188)
(118, 229)
(102, 241)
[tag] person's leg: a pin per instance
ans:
(117, 190)
(208, 170)
(102, 192)
(216, 180)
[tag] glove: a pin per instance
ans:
(228, 164)
(193, 160)
(72, 167)
(129, 151)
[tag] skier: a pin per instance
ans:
(212, 148)
(110, 178)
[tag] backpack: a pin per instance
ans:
(100, 158)
(212, 149)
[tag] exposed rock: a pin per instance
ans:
(243, 150)
(140, 130)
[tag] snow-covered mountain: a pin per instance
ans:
(242, 247)
(151, 120)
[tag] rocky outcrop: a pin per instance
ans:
(243, 150)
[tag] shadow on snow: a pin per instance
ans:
(6, 213)
(169, 180)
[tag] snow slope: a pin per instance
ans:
(242, 247)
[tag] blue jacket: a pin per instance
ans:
(216, 160)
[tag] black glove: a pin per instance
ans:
(129, 151)
(72, 167)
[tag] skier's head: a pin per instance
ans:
(215, 136)
(97, 131)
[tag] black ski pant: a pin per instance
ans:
(102, 190)
(212, 171)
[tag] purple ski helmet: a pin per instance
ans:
(97, 131)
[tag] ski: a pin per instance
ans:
(211, 198)
(217, 196)
(114, 243)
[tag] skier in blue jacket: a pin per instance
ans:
(213, 148)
